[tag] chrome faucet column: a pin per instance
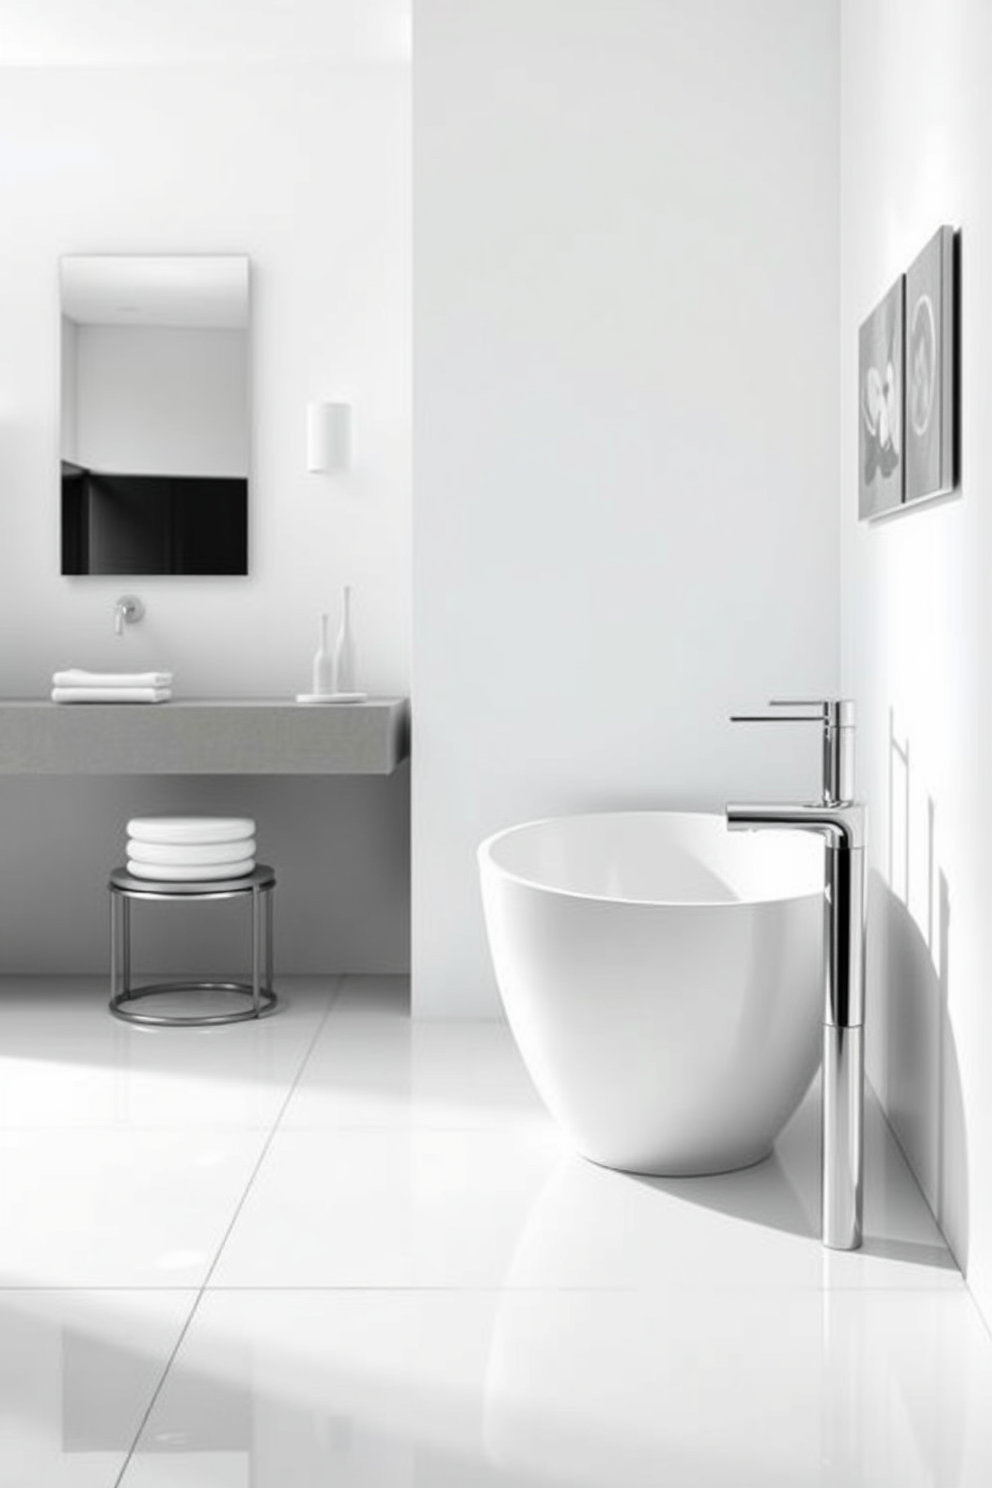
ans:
(841, 821)
(844, 1050)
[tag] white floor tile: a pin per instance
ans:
(65, 1061)
(408, 1207)
(444, 1296)
(118, 1208)
(757, 1227)
(589, 1390)
(394, 1072)
(385, 1208)
(78, 1371)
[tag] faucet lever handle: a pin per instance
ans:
(831, 712)
(834, 712)
(822, 703)
(836, 718)
(127, 611)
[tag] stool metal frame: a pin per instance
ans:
(124, 886)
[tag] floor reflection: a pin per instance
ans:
(701, 1387)
(78, 1370)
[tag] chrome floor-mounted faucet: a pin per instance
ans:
(841, 821)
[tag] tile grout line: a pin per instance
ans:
(321, 1025)
(274, 1129)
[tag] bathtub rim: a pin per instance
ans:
(486, 860)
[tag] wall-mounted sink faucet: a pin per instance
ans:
(842, 822)
(127, 611)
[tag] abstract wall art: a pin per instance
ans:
(930, 373)
(880, 396)
(908, 385)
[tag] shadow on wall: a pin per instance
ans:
(340, 845)
(909, 979)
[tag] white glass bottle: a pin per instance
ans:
(323, 663)
(344, 647)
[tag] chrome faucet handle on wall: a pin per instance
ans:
(836, 718)
(127, 611)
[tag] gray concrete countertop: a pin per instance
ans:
(202, 736)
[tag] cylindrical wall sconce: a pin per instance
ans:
(328, 436)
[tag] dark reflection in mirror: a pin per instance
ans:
(152, 524)
(155, 415)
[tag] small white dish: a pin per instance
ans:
(331, 697)
(189, 854)
(201, 830)
(190, 873)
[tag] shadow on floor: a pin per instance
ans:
(782, 1191)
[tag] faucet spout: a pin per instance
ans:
(842, 825)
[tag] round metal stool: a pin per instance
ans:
(124, 886)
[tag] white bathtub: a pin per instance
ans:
(663, 979)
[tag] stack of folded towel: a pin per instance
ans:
(78, 686)
(190, 849)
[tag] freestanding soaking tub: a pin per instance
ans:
(663, 978)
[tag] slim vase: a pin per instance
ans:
(323, 663)
(344, 647)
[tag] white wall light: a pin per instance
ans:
(328, 436)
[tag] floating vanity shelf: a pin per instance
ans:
(201, 737)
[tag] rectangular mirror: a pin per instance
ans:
(154, 431)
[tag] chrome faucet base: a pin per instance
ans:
(843, 1135)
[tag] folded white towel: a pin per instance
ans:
(78, 677)
(168, 872)
(111, 694)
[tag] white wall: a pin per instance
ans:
(626, 300)
(314, 186)
(917, 609)
(306, 169)
(161, 400)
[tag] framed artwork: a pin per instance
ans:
(881, 462)
(930, 372)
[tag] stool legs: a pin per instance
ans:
(269, 972)
(126, 945)
(256, 951)
(261, 994)
(120, 944)
(114, 915)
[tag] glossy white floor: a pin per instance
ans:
(338, 1248)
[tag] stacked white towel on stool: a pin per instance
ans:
(190, 849)
(79, 686)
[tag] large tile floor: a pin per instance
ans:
(338, 1248)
